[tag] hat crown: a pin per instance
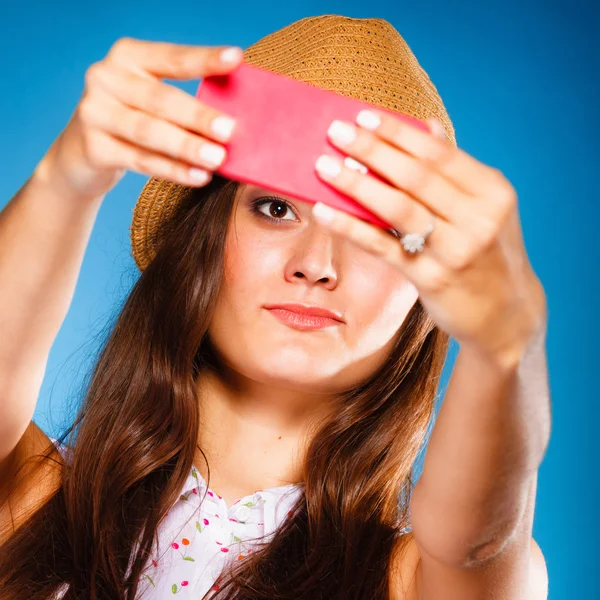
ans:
(366, 59)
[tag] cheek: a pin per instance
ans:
(251, 266)
(383, 297)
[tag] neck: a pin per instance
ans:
(254, 435)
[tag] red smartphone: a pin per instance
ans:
(281, 130)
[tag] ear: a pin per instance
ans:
(436, 127)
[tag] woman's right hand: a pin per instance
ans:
(128, 118)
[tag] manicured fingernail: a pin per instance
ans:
(223, 126)
(198, 175)
(341, 132)
(436, 127)
(323, 212)
(368, 120)
(328, 166)
(231, 55)
(212, 155)
(352, 163)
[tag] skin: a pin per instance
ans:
(471, 535)
(276, 380)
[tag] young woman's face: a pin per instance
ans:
(277, 254)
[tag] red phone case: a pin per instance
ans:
(281, 130)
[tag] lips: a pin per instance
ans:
(311, 311)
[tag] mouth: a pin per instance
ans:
(303, 317)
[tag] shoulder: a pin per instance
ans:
(403, 569)
(34, 475)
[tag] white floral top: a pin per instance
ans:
(196, 538)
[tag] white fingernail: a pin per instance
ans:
(368, 120)
(352, 163)
(223, 126)
(211, 154)
(323, 212)
(342, 132)
(439, 129)
(231, 55)
(328, 165)
(198, 175)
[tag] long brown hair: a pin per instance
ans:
(135, 435)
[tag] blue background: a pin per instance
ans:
(519, 80)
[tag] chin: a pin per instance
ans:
(295, 363)
(288, 367)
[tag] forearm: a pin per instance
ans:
(487, 444)
(43, 236)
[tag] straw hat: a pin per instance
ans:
(366, 59)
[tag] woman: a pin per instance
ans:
(231, 445)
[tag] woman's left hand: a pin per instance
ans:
(473, 276)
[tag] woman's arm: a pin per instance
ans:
(44, 232)
(489, 439)
(473, 506)
(475, 281)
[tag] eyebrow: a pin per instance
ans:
(254, 189)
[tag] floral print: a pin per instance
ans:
(201, 533)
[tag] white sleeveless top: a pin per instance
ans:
(197, 538)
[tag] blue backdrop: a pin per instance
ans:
(519, 80)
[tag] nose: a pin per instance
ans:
(314, 258)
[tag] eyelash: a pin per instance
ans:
(256, 204)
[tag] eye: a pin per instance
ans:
(276, 208)
(273, 209)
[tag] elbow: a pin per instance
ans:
(462, 553)
(457, 541)
(487, 551)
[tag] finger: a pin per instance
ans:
(450, 245)
(436, 128)
(421, 269)
(440, 196)
(174, 61)
(115, 152)
(162, 100)
(151, 133)
(458, 166)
